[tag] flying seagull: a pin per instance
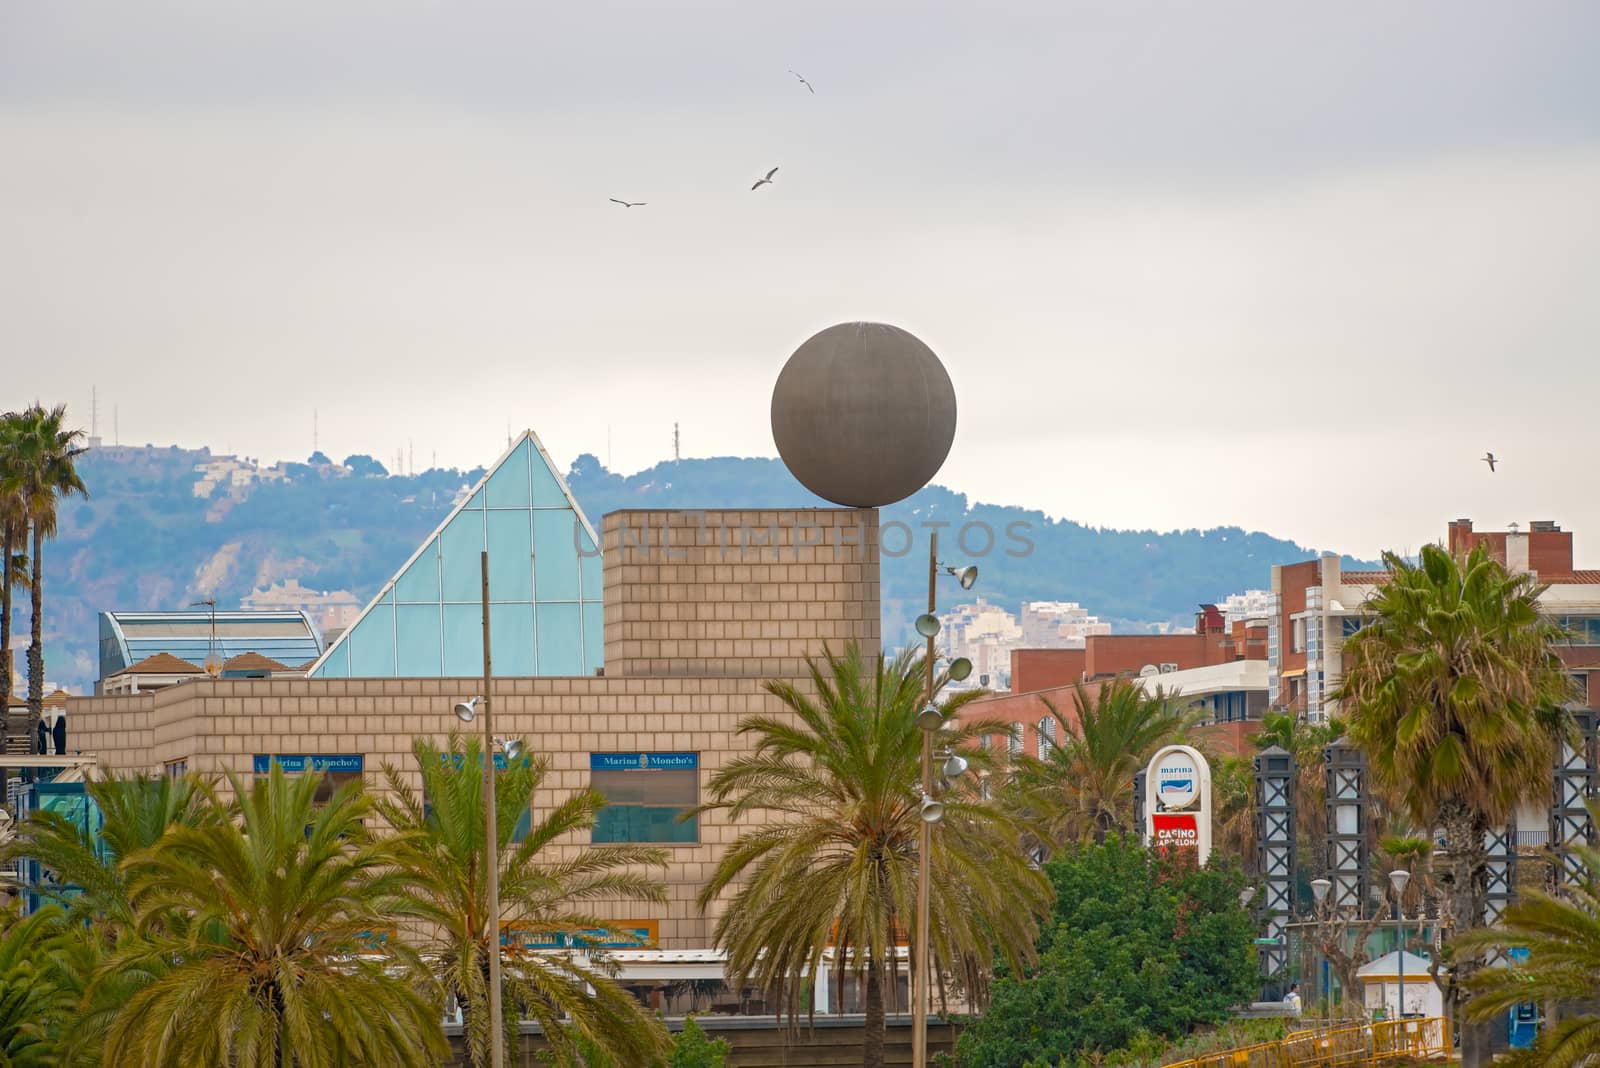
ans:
(767, 180)
(627, 204)
(803, 82)
(1488, 458)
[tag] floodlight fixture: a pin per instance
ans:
(930, 718)
(960, 669)
(931, 810)
(927, 624)
(955, 765)
(467, 711)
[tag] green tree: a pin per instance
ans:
(1082, 790)
(40, 468)
(259, 933)
(82, 856)
(1455, 692)
(443, 834)
(692, 1049)
(1562, 939)
(29, 999)
(838, 773)
(1141, 945)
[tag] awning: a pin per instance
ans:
(1295, 674)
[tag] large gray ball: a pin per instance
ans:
(863, 414)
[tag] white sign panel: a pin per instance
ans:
(1178, 807)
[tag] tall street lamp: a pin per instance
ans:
(1398, 879)
(1319, 890)
(930, 719)
(467, 711)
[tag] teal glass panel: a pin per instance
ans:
(510, 556)
(546, 490)
(555, 557)
(460, 546)
(560, 629)
(337, 666)
(644, 823)
(371, 643)
(589, 566)
(418, 641)
(419, 583)
(511, 638)
(594, 637)
(508, 486)
(463, 640)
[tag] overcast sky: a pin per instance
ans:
(1292, 266)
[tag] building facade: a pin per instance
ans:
(701, 609)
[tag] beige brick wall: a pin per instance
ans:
(700, 609)
(219, 726)
(748, 593)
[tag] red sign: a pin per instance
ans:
(1176, 830)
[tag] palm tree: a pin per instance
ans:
(1082, 790)
(28, 999)
(443, 834)
(40, 470)
(1562, 939)
(1457, 696)
(87, 878)
(13, 561)
(259, 936)
(838, 864)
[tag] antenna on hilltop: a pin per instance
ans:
(94, 412)
(676, 455)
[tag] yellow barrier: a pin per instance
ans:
(1355, 1046)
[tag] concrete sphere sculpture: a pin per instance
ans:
(863, 414)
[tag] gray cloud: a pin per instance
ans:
(1188, 263)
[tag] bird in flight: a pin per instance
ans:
(1488, 458)
(803, 82)
(627, 204)
(767, 180)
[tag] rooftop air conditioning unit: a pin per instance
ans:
(1167, 669)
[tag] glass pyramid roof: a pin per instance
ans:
(545, 595)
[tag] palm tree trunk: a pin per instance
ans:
(874, 1025)
(1464, 831)
(36, 649)
(6, 547)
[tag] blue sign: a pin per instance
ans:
(299, 763)
(643, 761)
(615, 938)
(500, 762)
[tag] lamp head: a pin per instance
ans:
(1320, 888)
(960, 669)
(930, 810)
(955, 765)
(930, 718)
(927, 624)
(213, 663)
(1399, 879)
(513, 748)
(1246, 895)
(967, 576)
(466, 711)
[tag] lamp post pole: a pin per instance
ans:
(919, 999)
(1319, 890)
(497, 1049)
(1399, 878)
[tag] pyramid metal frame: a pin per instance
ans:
(339, 644)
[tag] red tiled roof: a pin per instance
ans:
(1363, 578)
(162, 664)
(253, 661)
(1573, 578)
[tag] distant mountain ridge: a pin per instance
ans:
(166, 526)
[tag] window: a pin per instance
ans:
(337, 771)
(177, 769)
(1352, 625)
(646, 796)
(1047, 737)
(985, 741)
(1297, 639)
(1581, 630)
(1014, 743)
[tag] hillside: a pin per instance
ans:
(145, 539)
